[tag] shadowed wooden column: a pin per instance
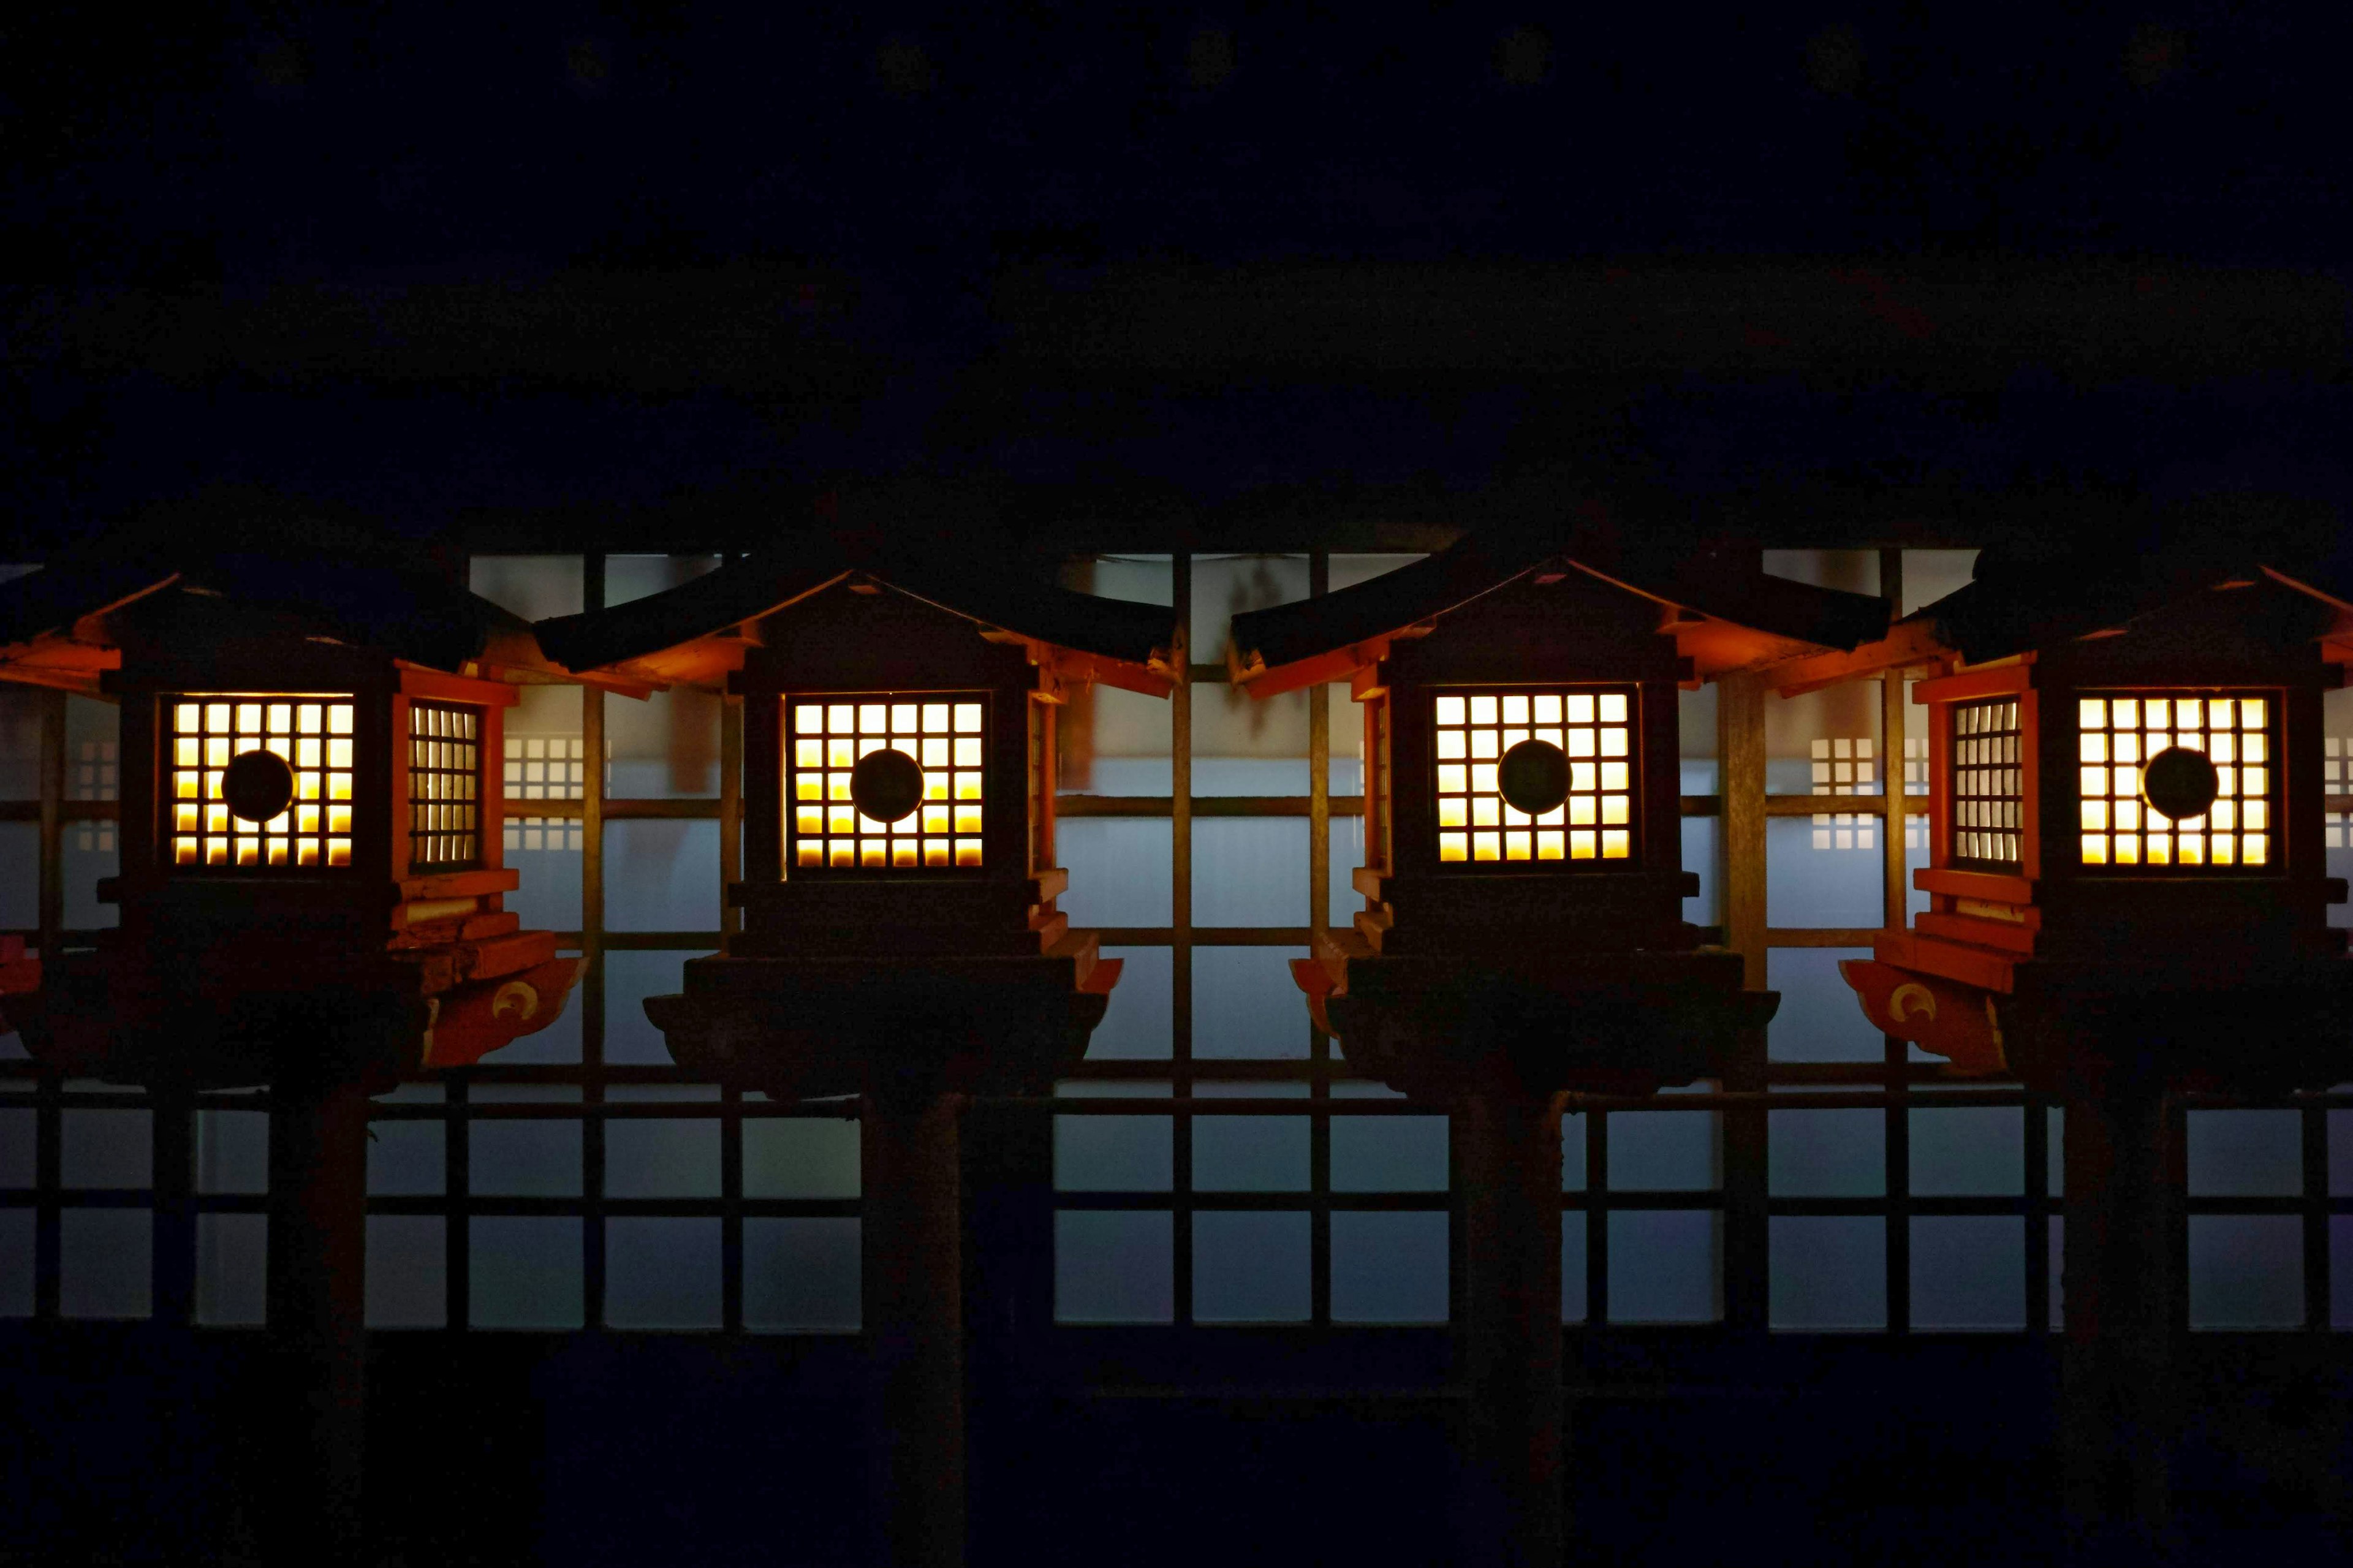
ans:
(912, 1298)
(1508, 1347)
(317, 1311)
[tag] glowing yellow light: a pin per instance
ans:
(1615, 844)
(808, 819)
(1450, 711)
(187, 786)
(809, 786)
(1485, 744)
(2092, 747)
(2127, 849)
(837, 786)
(967, 752)
(2095, 850)
(2255, 781)
(967, 819)
(904, 852)
(2158, 713)
(1451, 745)
(968, 851)
(1450, 812)
(2092, 713)
(184, 851)
(2219, 843)
(808, 852)
(1517, 848)
(2189, 849)
(1583, 809)
(1453, 778)
(904, 720)
(217, 752)
(841, 851)
(935, 852)
(841, 819)
(935, 786)
(1482, 710)
(1613, 808)
(967, 721)
(1581, 845)
(874, 851)
(935, 819)
(1485, 845)
(2254, 816)
(809, 754)
(338, 787)
(2160, 848)
(2095, 813)
(2253, 849)
(277, 852)
(1454, 847)
(1549, 845)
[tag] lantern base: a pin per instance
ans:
(2066, 1027)
(280, 1014)
(902, 1029)
(1532, 1023)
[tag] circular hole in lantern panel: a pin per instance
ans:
(1533, 776)
(257, 786)
(2179, 783)
(886, 784)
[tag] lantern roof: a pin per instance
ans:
(2023, 598)
(1725, 611)
(284, 567)
(695, 634)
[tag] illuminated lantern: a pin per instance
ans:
(310, 890)
(2127, 899)
(1523, 930)
(901, 939)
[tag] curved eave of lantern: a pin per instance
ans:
(1723, 620)
(697, 634)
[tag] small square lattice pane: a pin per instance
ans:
(2120, 739)
(311, 733)
(1591, 731)
(945, 734)
(1988, 800)
(444, 770)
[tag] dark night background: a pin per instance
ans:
(644, 276)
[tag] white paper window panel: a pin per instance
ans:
(661, 1158)
(1252, 1268)
(1794, 725)
(1658, 1150)
(1573, 1287)
(408, 1272)
(1809, 887)
(1249, 1153)
(1226, 585)
(638, 576)
(1826, 1153)
(232, 1268)
(532, 586)
(1115, 1266)
(1136, 1027)
(527, 1272)
(1969, 1273)
(1230, 725)
(107, 1149)
(1827, 1273)
(801, 1275)
(1666, 1265)
(800, 1157)
(1124, 748)
(1119, 870)
(1573, 1132)
(666, 747)
(536, 1159)
(661, 1272)
(1389, 1267)
(1819, 1019)
(2245, 1154)
(549, 897)
(408, 1159)
(662, 875)
(1250, 871)
(2246, 1271)
(1386, 1153)
(1114, 1153)
(104, 1263)
(16, 1262)
(1249, 776)
(1968, 1151)
(1247, 1006)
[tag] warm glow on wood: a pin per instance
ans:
(1988, 798)
(1592, 735)
(311, 735)
(944, 742)
(444, 785)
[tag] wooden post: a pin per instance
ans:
(317, 1305)
(912, 1297)
(2117, 1418)
(1508, 1347)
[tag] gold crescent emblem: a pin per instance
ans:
(516, 996)
(1914, 992)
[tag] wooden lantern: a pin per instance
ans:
(1522, 795)
(311, 820)
(2125, 801)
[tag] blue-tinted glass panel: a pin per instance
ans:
(1968, 1150)
(408, 1272)
(537, 1157)
(1666, 1265)
(801, 1276)
(661, 1273)
(406, 1159)
(661, 1158)
(1811, 878)
(1828, 1273)
(662, 875)
(1572, 1150)
(1389, 1267)
(631, 1037)
(1136, 1027)
(1663, 1152)
(1573, 1280)
(232, 1150)
(1114, 1266)
(106, 1149)
(104, 1260)
(2246, 1154)
(1385, 1153)
(666, 747)
(1250, 871)
(1819, 1020)
(1250, 1267)
(1969, 1272)
(527, 1272)
(1247, 1006)
(1249, 1153)
(232, 1268)
(1826, 1153)
(1119, 870)
(800, 1157)
(1114, 1153)
(2246, 1271)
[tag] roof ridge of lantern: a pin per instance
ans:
(1715, 583)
